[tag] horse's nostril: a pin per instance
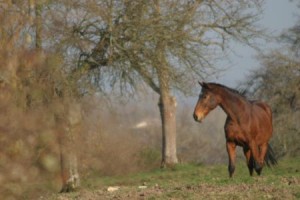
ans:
(195, 117)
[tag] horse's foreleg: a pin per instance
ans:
(249, 158)
(231, 146)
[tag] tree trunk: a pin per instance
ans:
(69, 167)
(70, 126)
(38, 24)
(167, 107)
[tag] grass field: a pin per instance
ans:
(191, 181)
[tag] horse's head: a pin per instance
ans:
(207, 101)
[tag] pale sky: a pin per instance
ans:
(278, 16)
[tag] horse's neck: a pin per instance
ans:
(232, 104)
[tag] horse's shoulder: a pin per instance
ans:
(231, 124)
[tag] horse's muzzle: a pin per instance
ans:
(196, 118)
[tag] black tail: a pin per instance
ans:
(270, 158)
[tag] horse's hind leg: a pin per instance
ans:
(250, 160)
(258, 163)
(263, 150)
(231, 146)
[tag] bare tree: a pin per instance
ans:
(166, 45)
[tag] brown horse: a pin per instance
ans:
(248, 124)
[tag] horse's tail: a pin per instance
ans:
(270, 158)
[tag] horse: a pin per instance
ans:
(248, 124)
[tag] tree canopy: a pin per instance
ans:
(124, 42)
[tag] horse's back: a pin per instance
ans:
(264, 106)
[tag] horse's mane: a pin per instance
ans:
(239, 92)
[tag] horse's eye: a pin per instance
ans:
(203, 96)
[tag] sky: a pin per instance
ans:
(278, 16)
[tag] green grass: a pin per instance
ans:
(191, 181)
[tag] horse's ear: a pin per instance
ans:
(203, 84)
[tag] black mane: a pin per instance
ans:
(239, 92)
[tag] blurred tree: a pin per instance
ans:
(166, 45)
(35, 77)
(68, 117)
